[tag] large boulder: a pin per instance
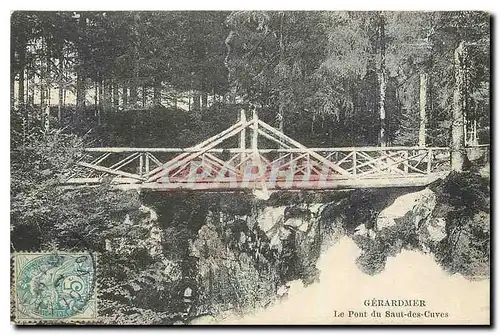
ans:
(415, 207)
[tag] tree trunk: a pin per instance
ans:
(42, 78)
(22, 61)
(26, 86)
(100, 94)
(21, 89)
(107, 96)
(47, 119)
(204, 101)
(382, 134)
(144, 95)
(64, 98)
(125, 96)
(116, 101)
(457, 128)
(12, 69)
(12, 91)
(80, 73)
(80, 90)
(133, 93)
(196, 101)
(48, 83)
(60, 104)
(96, 95)
(423, 107)
(281, 97)
(32, 88)
(61, 90)
(157, 92)
(64, 89)
(100, 99)
(382, 82)
(135, 59)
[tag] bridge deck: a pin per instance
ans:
(409, 181)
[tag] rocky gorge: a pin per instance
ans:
(210, 255)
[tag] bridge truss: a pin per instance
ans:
(263, 158)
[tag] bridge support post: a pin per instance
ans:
(146, 155)
(141, 165)
(354, 163)
(255, 131)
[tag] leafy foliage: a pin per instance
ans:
(464, 200)
(134, 274)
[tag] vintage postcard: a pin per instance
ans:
(250, 167)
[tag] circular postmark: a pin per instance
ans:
(55, 286)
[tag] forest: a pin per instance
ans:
(325, 78)
(174, 78)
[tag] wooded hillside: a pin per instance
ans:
(325, 78)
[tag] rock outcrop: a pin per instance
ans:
(414, 209)
(143, 222)
(246, 252)
(244, 260)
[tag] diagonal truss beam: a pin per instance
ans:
(183, 158)
(111, 171)
(296, 144)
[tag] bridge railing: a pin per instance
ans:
(367, 162)
(272, 158)
(139, 165)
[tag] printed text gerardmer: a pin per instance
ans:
(394, 303)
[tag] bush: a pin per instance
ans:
(464, 201)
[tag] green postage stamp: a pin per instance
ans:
(54, 287)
